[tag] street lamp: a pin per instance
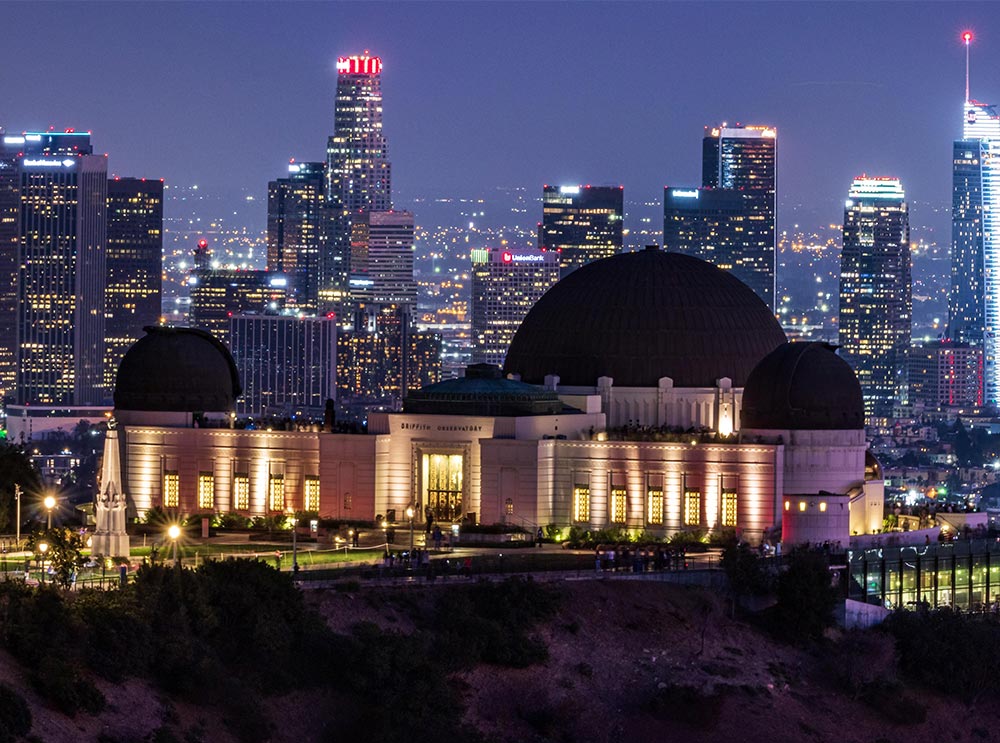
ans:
(295, 548)
(43, 547)
(50, 503)
(173, 532)
(17, 497)
(409, 514)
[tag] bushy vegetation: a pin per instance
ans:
(806, 597)
(15, 717)
(234, 631)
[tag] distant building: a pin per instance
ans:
(358, 171)
(875, 291)
(385, 356)
(946, 374)
(505, 285)
(298, 225)
(218, 294)
(974, 300)
(62, 189)
(581, 223)
(134, 266)
(287, 363)
(10, 241)
(382, 258)
(730, 220)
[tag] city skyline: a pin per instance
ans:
(809, 92)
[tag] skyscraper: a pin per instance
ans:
(62, 187)
(382, 258)
(358, 171)
(134, 266)
(974, 299)
(946, 374)
(875, 292)
(730, 220)
(10, 240)
(505, 285)
(297, 230)
(287, 363)
(581, 223)
(357, 156)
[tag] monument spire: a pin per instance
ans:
(110, 538)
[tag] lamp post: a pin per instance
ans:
(17, 499)
(43, 548)
(173, 532)
(49, 503)
(295, 544)
(409, 514)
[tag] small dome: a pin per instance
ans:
(483, 391)
(177, 370)
(803, 386)
(637, 317)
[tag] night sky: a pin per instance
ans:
(508, 94)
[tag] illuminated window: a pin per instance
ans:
(581, 503)
(241, 491)
(654, 498)
(619, 502)
(728, 507)
(692, 507)
(276, 495)
(822, 506)
(788, 505)
(802, 505)
(508, 507)
(312, 494)
(171, 490)
(206, 490)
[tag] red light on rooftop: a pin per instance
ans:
(203, 243)
(70, 130)
(967, 37)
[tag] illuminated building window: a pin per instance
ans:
(171, 490)
(822, 506)
(788, 505)
(206, 490)
(654, 498)
(241, 491)
(312, 494)
(581, 503)
(802, 505)
(728, 507)
(619, 501)
(692, 507)
(508, 507)
(276, 493)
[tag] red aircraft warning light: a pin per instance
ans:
(967, 37)
(203, 243)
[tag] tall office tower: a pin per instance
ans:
(382, 258)
(730, 220)
(217, 294)
(505, 285)
(358, 172)
(357, 157)
(581, 223)
(134, 266)
(974, 299)
(946, 374)
(10, 239)
(62, 188)
(287, 363)
(297, 229)
(875, 299)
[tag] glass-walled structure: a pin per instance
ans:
(962, 575)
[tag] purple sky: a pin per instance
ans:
(479, 95)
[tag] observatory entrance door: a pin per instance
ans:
(443, 480)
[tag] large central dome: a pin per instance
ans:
(637, 317)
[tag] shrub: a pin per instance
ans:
(861, 662)
(806, 597)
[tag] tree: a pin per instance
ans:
(806, 597)
(65, 553)
(16, 468)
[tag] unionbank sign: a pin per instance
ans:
(508, 257)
